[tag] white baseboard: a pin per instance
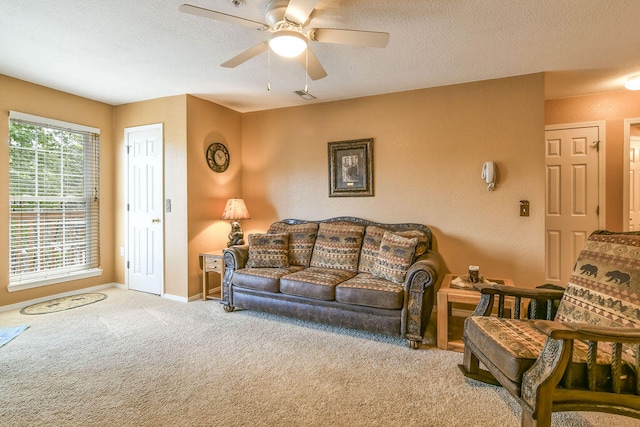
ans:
(177, 298)
(23, 304)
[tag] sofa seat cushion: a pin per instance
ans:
(263, 279)
(315, 282)
(514, 345)
(368, 290)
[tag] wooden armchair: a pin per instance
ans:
(586, 359)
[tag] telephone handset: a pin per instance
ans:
(489, 175)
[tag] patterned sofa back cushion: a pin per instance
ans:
(301, 240)
(371, 246)
(604, 287)
(268, 251)
(394, 257)
(337, 246)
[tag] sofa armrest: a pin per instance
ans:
(419, 287)
(235, 258)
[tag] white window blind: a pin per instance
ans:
(54, 228)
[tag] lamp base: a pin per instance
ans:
(236, 236)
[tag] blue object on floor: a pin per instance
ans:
(10, 332)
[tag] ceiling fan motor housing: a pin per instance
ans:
(275, 11)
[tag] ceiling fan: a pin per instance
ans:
(287, 22)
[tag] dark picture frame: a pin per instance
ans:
(351, 168)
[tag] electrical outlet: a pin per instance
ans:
(524, 208)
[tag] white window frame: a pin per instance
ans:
(58, 275)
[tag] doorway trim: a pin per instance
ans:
(602, 163)
(625, 170)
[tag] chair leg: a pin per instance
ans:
(470, 362)
(544, 419)
(471, 369)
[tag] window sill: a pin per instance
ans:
(67, 277)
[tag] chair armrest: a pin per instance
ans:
(550, 368)
(583, 331)
(514, 291)
(490, 290)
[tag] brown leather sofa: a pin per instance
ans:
(343, 271)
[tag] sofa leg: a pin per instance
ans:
(414, 344)
(228, 308)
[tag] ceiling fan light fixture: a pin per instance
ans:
(633, 83)
(288, 43)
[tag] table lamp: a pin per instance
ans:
(235, 210)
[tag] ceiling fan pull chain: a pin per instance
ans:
(306, 71)
(268, 70)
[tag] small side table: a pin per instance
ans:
(211, 261)
(448, 295)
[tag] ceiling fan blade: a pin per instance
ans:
(350, 37)
(298, 11)
(219, 16)
(315, 70)
(246, 55)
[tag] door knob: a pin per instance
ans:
(155, 220)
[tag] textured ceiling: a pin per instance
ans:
(121, 51)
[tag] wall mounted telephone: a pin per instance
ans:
(489, 175)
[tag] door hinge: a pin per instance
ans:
(598, 210)
(128, 146)
(127, 207)
(128, 264)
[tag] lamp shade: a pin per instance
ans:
(235, 209)
(288, 43)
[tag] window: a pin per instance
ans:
(53, 201)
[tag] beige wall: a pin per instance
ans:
(197, 194)
(208, 191)
(172, 113)
(429, 148)
(29, 98)
(613, 108)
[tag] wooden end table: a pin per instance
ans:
(211, 262)
(448, 295)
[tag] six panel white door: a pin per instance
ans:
(571, 161)
(145, 244)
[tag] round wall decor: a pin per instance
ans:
(217, 157)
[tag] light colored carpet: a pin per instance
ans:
(140, 360)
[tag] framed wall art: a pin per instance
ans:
(351, 168)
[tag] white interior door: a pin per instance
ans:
(634, 183)
(573, 198)
(145, 237)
